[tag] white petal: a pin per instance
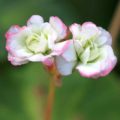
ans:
(35, 20)
(61, 47)
(16, 44)
(36, 58)
(94, 53)
(78, 47)
(47, 60)
(90, 27)
(64, 67)
(59, 26)
(88, 31)
(108, 59)
(75, 29)
(16, 61)
(104, 38)
(84, 57)
(100, 67)
(66, 49)
(50, 33)
(70, 54)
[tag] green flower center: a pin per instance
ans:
(37, 43)
(90, 51)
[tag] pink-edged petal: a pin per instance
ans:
(47, 60)
(12, 31)
(36, 58)
(35, 20)
(89, 29)
(15, 45)
(16, 61)
(59, 26)
(104, 38)
(101, 67)
(64, 67)
(75, 30)
(109, 62)
(61, 47)
(70, 53)
(89, 26)
(90, 70)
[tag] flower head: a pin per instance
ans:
(89, 51)
(93, 54)
(36, 41)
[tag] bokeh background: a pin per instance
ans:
(24, 89)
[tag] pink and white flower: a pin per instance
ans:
(34, 42)
(92, 51)
(89, 51)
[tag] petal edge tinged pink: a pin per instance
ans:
(61, 47)
(13, 30)
(59, 26)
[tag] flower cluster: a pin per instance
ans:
(89, 50)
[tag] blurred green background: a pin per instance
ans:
(24, 89)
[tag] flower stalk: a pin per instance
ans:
(55, 81)
(48, 112)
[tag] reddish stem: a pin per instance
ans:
(54, 82)
(48, 112)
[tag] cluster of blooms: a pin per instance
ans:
(89, 50)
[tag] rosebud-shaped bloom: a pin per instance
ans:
(93, 48)
(36, 41)
(92, 44)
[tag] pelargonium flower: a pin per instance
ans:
(93, 52)
(35, 41)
